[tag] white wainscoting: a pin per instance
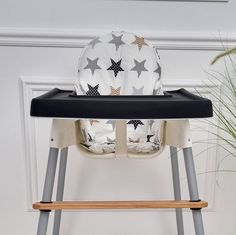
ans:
(182, 0)
(33, 86)
(73, 38)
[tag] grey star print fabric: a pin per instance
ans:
(120, 63)
(92, 65)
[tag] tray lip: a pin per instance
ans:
(187, 100)
(121, 98)
(166, 94)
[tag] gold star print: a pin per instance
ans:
(115, 91)
(93, 121)
(139, 41)
(134, 141)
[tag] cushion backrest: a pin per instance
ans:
(119, 63)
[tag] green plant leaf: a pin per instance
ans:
(223, 54)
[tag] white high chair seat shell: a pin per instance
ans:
(120, 63)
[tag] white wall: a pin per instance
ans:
(40, 45)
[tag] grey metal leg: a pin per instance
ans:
(193, 189)
(48, 189)
(177, 192)
(60, 189)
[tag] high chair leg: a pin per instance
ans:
(193, 190)
(60, 189)
(48, 189)
(177, 191)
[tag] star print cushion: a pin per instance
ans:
(120, 63)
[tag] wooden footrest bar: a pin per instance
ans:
(76, 205)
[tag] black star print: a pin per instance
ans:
(93, 90)
(158, 69)
(149, 137)
(90, 138)
(85, 145)
(115, 67)
(135, 123)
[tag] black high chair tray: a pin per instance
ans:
(172, 105)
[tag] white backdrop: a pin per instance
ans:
(40, 43)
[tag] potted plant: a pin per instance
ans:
(225, 109)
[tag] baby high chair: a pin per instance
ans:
(119, 108)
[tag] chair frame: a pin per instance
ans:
(62, 140)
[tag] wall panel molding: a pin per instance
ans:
(74, 38)
(29, 85)
(184, 0)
